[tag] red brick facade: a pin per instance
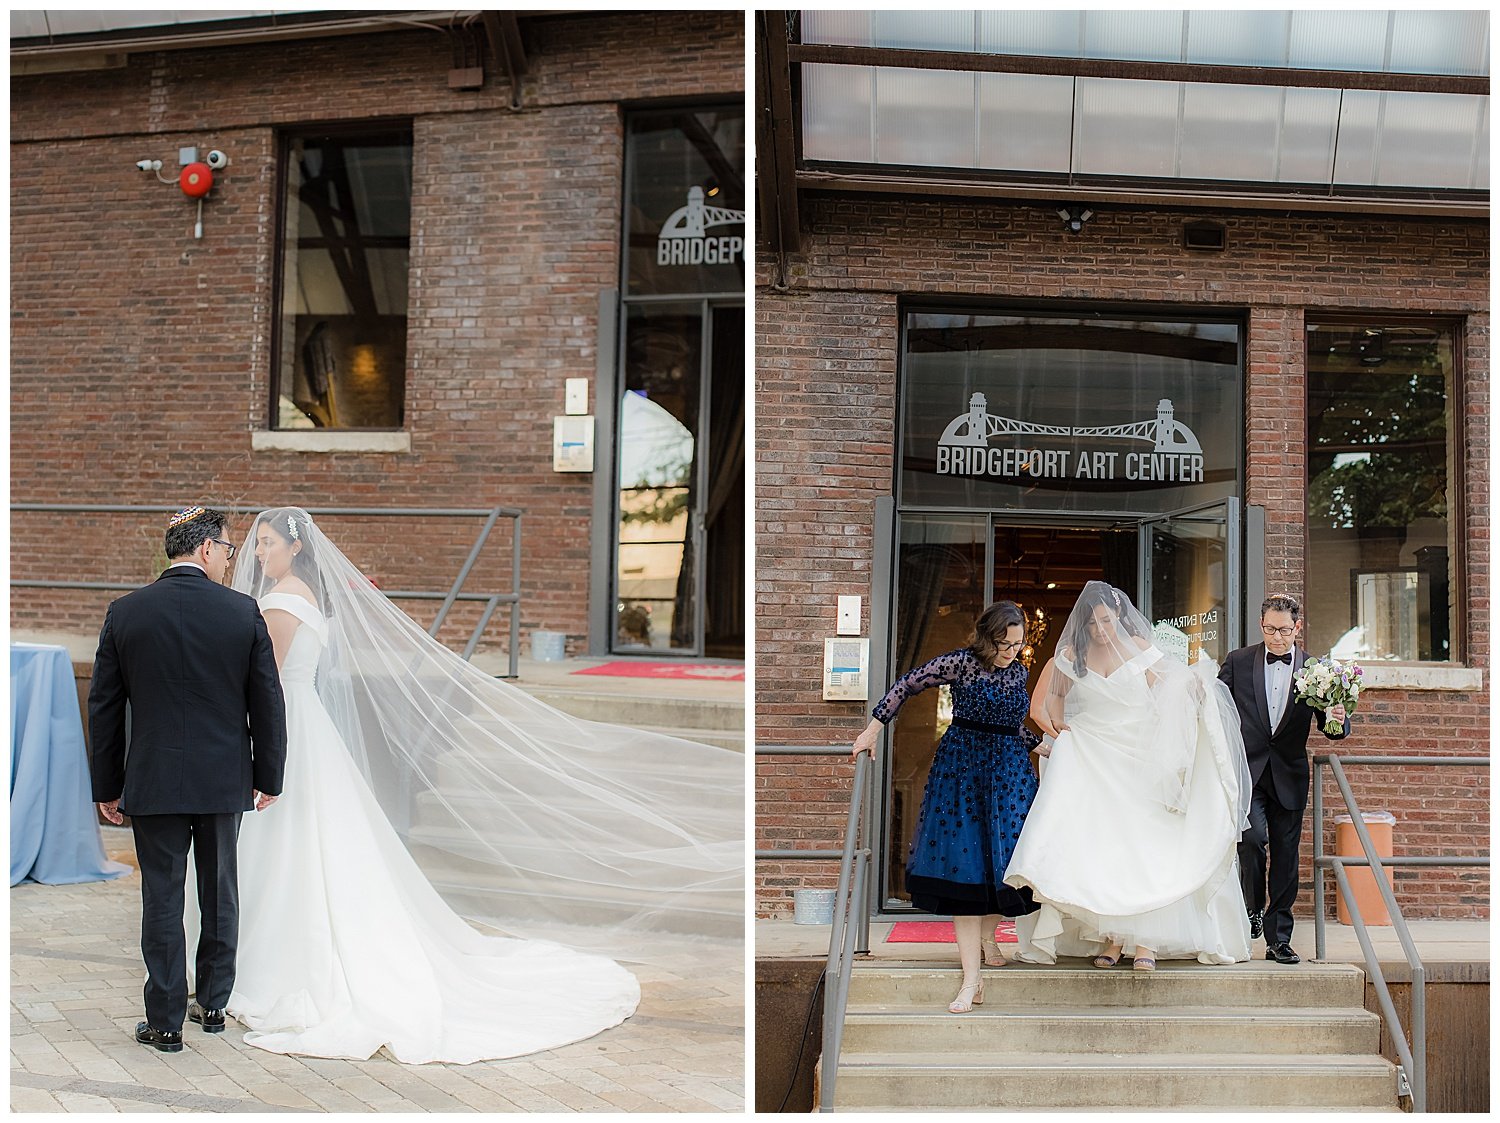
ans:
(141, 358)
(826, 385)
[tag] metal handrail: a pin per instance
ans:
(849, 934)
(1413, 1074)
(454, 593)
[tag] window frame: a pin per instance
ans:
(1457, 457)
(284, 135)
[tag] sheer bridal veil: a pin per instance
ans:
(1190, 709)
(524, 818)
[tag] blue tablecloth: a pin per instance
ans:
(54, 834)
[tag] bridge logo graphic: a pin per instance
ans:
(685, 237)
(1176, 455)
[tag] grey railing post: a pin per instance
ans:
(840, 955)
(1414, 1057)
(1320, 918)
(463, 572)
(515, 587)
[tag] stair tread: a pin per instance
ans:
(1221, 1062)
(992, 1009)
(1154, 1109)
(1306, 968)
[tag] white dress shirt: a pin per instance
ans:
(1278, 688)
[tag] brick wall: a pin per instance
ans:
(141, 357)
(826, 364)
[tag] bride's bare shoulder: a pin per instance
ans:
(297, 588)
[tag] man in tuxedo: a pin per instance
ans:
(1275, 728)
(207, 742)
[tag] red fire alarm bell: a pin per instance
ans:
(196, 180)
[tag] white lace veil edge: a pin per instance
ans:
(1106, 635)
(524, 818)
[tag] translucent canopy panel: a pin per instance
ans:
(1405, 42)
(1161, 130)
(35, 23)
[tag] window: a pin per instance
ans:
(346, 246)
(1380, 568)
(1069, 411)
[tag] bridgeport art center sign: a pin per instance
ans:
(1175, 456)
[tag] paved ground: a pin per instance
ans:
(76, 980)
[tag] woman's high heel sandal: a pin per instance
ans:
(1144, 963)
(992, 954)
(1110, 957)
(960, 1005)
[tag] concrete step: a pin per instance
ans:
(914, 986)
(994, 1030)
(645, 707)
(723, 738)
(1238, 1109)
(942, 1081)
(482, 889)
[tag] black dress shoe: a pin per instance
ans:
(158, 1038)
(1282, 953)
(212, 1021)
(1257, 923)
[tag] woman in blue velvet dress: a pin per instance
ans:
(979, 789)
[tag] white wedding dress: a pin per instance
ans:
(1133, 833)
(345, 948)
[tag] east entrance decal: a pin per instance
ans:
(1175, 457)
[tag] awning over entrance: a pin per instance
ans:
(1383, 111)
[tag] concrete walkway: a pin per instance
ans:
(76, 979)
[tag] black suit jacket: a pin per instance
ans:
(208, 722)
(1283, 750)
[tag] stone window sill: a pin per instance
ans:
(327, 440)
(1421, 676)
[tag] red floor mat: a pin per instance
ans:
(719, 672)
(940, 932)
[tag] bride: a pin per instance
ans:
(527, 819)
(1130, 846)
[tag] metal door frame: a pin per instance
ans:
(885, 590)
(697, 528)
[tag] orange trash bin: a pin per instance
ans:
(1382, 828)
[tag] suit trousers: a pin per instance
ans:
(161, 848)
(1271, 885)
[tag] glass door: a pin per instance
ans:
(679, 563)
(1190, 580)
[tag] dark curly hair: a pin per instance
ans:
(1281, 602)
(990, 629)
(185, 537)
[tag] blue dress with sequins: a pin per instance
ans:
(979, 788)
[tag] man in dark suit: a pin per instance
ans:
(1275, 728)
(207, 742)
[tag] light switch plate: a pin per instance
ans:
(849, 612)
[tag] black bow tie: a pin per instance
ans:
(1287, 658)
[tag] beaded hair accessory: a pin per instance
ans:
(291, 528)
(186, 515)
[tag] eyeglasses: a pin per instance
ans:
(1011, 646)
(1278, 631)
(226, 545)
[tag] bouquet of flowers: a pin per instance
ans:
(1325, 683)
